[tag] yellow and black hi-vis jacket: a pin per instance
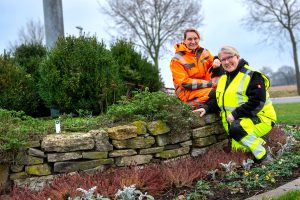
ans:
(234, 95)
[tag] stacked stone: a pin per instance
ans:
(134, 144)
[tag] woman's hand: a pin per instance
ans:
(230, 118)
(216, 63)
(201, 111)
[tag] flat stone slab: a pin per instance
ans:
(73, 166)
(157, 127)
(55, 157)
(36, 152)
(134, 143)
(205, 141)
(39, 170)
(68, 142)
(101, 140)
(94, 155)
(151, 150)
(173, 153)
(35, 183)
(203, 131)
(172, 138)
(141, 127)
(133, 160)
(125, 152)
(122, 132)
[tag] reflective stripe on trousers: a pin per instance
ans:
(255, 145)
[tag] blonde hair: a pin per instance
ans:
(190, 30)
(229, 50)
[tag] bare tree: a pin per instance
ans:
(287, 74)
(277, 18)
(32, 33)
(268, 71)
(150, 23)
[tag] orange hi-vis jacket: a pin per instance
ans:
(191, 76)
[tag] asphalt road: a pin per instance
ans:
(285, 100)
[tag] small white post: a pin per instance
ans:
(57, 126)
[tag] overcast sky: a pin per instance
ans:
(222, 26)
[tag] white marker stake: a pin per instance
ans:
(57, 126)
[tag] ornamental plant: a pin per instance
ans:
(79, 73)
(17, 87)
(29, 57)
(134, 69)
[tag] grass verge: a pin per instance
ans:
(288, 113)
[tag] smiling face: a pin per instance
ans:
(229, 58)
(191, 40)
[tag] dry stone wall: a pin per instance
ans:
(133, 144)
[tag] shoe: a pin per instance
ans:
(267, 159)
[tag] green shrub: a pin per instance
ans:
(29, 57)
(153, 106)
(17, 88)
(134, 69)
(79, 73)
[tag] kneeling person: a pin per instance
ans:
(242, 98)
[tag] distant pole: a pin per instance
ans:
(53, 20)
(80, 30)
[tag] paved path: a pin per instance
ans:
(278, 191)
(286, 99)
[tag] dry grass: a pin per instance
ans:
(283, 91)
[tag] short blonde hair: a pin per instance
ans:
(190, 30)
(228, 50)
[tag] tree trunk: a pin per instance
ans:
(294, 45)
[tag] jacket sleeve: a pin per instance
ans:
(256, 93)
(211, 105)
(181, 77)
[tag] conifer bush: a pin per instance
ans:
(134, 68)
(17, 88)
(29, 57)
(79, 73)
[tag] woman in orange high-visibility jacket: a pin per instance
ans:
(192, 67)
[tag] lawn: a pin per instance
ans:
(291, 195)
(288, 113)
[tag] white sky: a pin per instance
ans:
(222, 26)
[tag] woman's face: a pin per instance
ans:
(191, 40)
(229, 61)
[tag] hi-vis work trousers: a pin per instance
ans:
(246, 134)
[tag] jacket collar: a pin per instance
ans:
(181, 47)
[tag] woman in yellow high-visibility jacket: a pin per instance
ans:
(194, 70)
(242, 98)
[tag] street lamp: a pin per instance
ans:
(80, 30)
